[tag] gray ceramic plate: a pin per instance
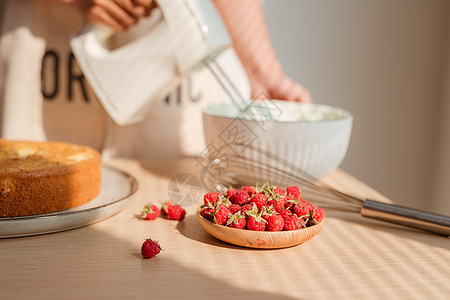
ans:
(118, 189)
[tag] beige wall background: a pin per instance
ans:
(388, 62)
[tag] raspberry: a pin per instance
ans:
(211, 198)
(221, 214)
(303, 209)
(150, 212)
(277, 202)
(290, 203)
(208, 213)
(165, 207)
(291, 222)
(176, 212)
(257, 224)
(294, 196)
(234, 208)
(240, 197)
(294, 192)
(150, 248)
(279, 191)
(231, 192)
(275, 197)
(267, 211)
(256, 221)
(251, 190)
(223, 200)
(317, 215)
(237, 220)
(275, 223)
(247, 207)
(259, 199)
(285, 212)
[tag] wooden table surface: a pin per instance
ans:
(351, 258)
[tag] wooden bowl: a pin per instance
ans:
(259, 239)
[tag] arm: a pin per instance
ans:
(117, 14)
(250, 37)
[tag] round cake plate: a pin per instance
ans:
(118, 189)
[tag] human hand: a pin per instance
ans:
(117, 14)
(279, 87)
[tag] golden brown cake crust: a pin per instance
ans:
(43, 177)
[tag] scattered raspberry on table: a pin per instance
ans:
(176, 212)
(150, 212)
(168, 209)
(150, 248)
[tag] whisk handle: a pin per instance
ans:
(406, 216)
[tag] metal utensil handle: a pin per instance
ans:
(406, 216)
(226, 83)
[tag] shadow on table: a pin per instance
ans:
(88, 264)
(404, 232)
(191, 229)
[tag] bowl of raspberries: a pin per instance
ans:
(260, 217)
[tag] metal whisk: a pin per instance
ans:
(255, 165)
